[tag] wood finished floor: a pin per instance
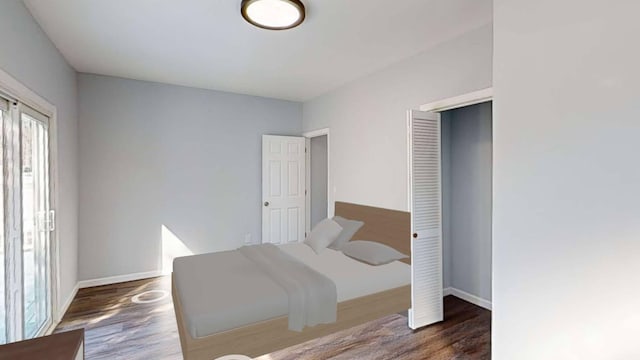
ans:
(117, 328)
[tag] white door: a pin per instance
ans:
(425, 199)
(283, 189)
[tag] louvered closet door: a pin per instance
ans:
(425, 198)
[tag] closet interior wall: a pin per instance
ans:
(467, 198)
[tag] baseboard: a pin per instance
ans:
(476, 300)
(118, 279)
(446, 291)
(63, 309)
(96, 282)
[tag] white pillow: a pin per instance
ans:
(349, 228)
(371, 253)
(323, 234)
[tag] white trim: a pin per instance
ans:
(14, 88)
(63, 310)
(96, 282)
(307, 186)
(330, 207)
(472, 98)
(476, 300)
(316, 133)
(11, 87)
(67, 303)
(118, 279)
(455, 102)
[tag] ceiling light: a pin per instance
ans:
(273, 14)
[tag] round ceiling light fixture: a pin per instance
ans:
(273, 14)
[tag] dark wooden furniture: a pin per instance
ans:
(62, 346)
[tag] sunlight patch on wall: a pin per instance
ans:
(172, 247)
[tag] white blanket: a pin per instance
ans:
(312, 296)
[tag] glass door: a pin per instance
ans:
(35, 224)
(26, 222)
(4, 106)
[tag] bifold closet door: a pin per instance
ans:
(425, 199)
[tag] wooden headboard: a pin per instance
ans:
(389, 227)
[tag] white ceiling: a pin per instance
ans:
(207, 44)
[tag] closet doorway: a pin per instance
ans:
(467, 191)
(450, 196)
(318, 195)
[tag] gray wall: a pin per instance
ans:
(319, 179)
(467, 192)
(368, 117)
(30, 57)
(446, 197)
(566, 244)
(155, 155)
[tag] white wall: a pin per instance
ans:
(319, 178)
(154, 155)
(30, 57)
(467, 195)
(368, 117)
(566, 180)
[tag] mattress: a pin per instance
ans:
(353, 278)
(222, 291)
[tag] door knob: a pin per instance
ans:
(415, 235)
(266, 203)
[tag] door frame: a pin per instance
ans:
(13, 88)
(309, 135)
(455, 102)
(468, 99)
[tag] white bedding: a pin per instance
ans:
(312, 296)
(353, 279)
(223, 291)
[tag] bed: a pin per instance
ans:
(218, 317)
